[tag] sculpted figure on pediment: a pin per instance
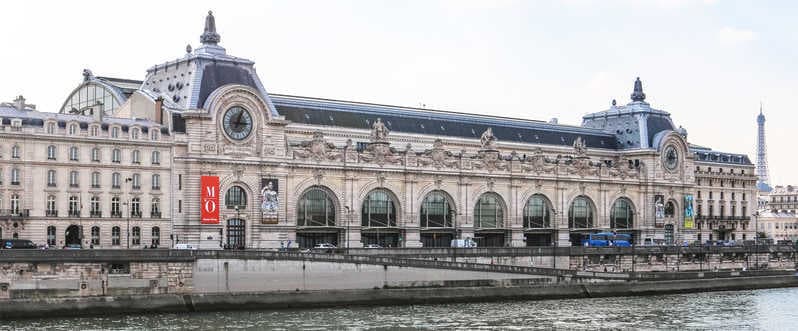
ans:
(489, 160)
(438, 156)
(538, 163)
(317, 149)
(380, 153)
(379, 132)
(579, 147)
(488, 140)
(622, 168)
(582, 166)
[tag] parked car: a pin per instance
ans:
(17, 244)
(73, 246)
(373, 246)
(324, 245)
(463, 243)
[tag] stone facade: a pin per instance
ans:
(303, 171)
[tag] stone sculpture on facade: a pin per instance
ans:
(488, 140)
(379, 132)
(317, 149)
(438, 156)
(538, 163)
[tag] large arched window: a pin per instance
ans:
(622, 215)
(537, 213)
(316, 208)
(379, 209)
(91, 97)
(436, 211)
(488, 212)
(580, 214)
(235, 197)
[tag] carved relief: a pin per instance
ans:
(380, 153)
(488, 140)
(379, 132)
(622, 168)
(538, 163)
(438, 157)
(489, 160)
(317, 149)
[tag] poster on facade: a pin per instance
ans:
(659, 210)
(209, 200)
(270, 202)
(688, 212)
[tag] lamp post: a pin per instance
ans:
(238, 219)
(347, 220)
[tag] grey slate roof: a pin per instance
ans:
(326, 112)
(704, 154)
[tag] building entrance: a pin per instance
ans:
(72, 236)
(436, 239)
(311, 239)
(236, 233)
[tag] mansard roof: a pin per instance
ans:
(31, 117)
(705, 154)
(336, 113)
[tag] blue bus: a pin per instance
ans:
(606, 239)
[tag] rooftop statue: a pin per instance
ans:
(637, 94)
(209, 36)
(488, 140)
(379, 132)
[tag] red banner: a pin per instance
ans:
(209, 202)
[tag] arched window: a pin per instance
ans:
(115, 132)
(156, 157)
(155, 210)
(116, 211)
(235, 197)
(50, 128)
(95, 154)
(537, 213)
(51, 152)
(156, 182)
(115, 236)
(51, 209)
(134, 133)
(51, 178)
(15, 153)
(316, 208)
(15, 204)
(135, 157)
(74, 206)
(73, 129)
(622, 215)
(136, 236)
(116, 156)
(488, 212)
(73, 179)
(95, 235)
(379, 209)
(73, 153)
(156, 237)
(135, 207)
(116, 180)
(95, 179)
(136, 181)
(94, 207)
(436, 211)
(51, 236)
(670, 209)
(15, 176)
(580, 214)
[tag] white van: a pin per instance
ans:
(185, 246)
(463, 243)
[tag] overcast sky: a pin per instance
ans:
(708, 63)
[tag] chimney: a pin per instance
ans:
(19, 103)
(159, 110)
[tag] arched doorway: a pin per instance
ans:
(378, 219)
(489, 221)
(236, 233)
(316, 218)
(72, 236)
(537, 221)
(581, 215)
(437, 220)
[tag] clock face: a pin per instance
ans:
(670, 158)
(237, 123)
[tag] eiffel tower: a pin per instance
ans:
(762, 173)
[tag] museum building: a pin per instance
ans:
(199, 152)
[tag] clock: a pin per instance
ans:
(237, 123)
(670, 158)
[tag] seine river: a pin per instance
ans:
(772, 309)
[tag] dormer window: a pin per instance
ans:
(50, 128)
(154, 134)
(73, 129)
(134, 133)
(94, 131)
(115, 132)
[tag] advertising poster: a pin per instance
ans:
(659, 210)
(270, 202)
(209, 201)
(688, 212)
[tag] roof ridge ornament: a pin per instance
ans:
(638, 94)
(209, 36)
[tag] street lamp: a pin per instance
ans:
(238, 219)
(347, 220)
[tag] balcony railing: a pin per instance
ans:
(135, 214)
(51, 213)
(96, 213)
(116, 214)
(136, 187)
(74, 213)
(95, 185)
(15, 213)
(155, 214)
(156, 187)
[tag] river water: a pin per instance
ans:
(773, 309)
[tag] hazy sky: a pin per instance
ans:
(708, 63)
